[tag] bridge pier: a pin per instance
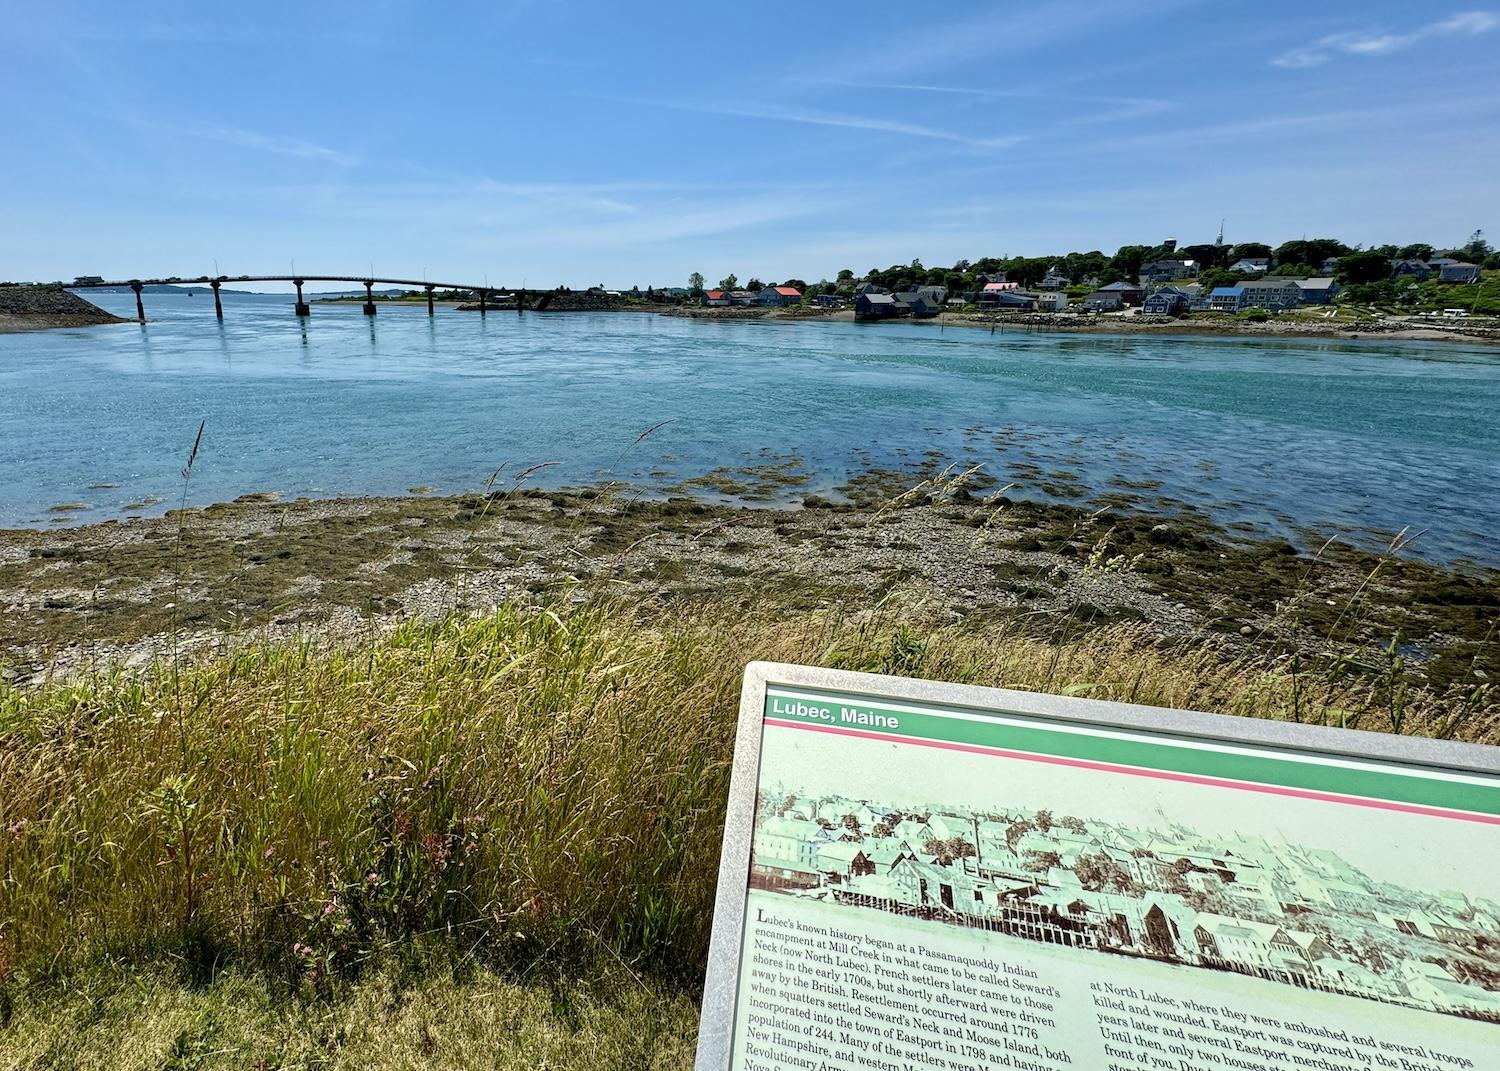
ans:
(429, 300)
(302, 309)
(218, 304)
(370, 298)
(483, 307)
(520, 302)
(140, 306)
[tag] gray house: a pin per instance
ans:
(1459, 272)
(1162, 271)
(871, 306)
(1274, 294)
(1317, 291)
(1130, 293)
(778, 296)
(924, 303)
(1412, 268)
(1014, 301)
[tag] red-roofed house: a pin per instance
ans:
(716, 297)
(778, 295)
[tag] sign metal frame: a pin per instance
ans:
(721, 987)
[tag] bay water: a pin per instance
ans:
(1301, 438)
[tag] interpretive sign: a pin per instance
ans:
(927, 876)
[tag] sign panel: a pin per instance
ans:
(924, 876)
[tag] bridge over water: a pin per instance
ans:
(214, 282)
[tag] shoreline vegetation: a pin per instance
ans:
(368, 852)
(318, 783)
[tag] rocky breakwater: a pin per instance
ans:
(33, 308)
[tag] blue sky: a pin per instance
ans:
(635, 143)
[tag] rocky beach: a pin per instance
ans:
(77, 599)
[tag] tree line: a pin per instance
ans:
(1299, 258)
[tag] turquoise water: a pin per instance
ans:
(1301, 438)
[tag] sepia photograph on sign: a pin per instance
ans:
(1386, 903)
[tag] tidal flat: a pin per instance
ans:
(954, 546)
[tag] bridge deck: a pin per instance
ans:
(209, 280)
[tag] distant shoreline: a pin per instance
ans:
(81, 313)
(1131, 325)
(1048, 322)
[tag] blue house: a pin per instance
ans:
(1168, 301)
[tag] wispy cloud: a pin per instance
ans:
(1111, 107)
(268, 143)
(813, 117)
(1372, 42)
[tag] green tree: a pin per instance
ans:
(695, 283)
(1249, 249)
(845, 275)
(1127, 261)
(1416, 251)
(1221, 277)
(1476, 249)
(1364, 267)
(1078, 266)
(755, 286)
(1310, 251)
(1207, 255)
(1027, 271)
(729, 282)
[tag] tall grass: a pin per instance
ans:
(532, 785)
